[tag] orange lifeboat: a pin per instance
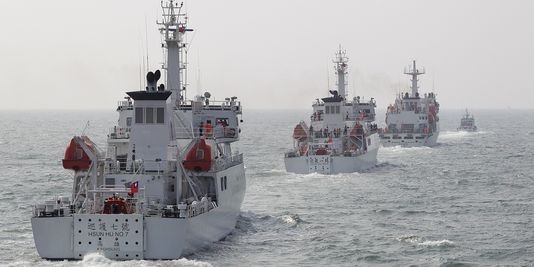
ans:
(199, 157)
(321, 152)
(75, 157)
(299, 133)
(357, 130)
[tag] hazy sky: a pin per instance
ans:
(271, 54)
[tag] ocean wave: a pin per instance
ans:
(453, 135)
(409, 239)
(331, 176)
(292, 219)
(460, 134)
(438, 243)
(269, 173)
(397, 149)
(387, 164)
(252, 222)
(381, 211)
(419, 241)
(97, 260)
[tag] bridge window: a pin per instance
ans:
(337, 110)
(160, 115)
(149, 113)
(139, 115)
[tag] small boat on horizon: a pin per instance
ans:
(467, 123)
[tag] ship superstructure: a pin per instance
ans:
(413, 119)
(467, 123)
(169, 182)
(341, 136)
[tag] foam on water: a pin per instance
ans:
(98, 260)
(438, 243)
(454, 134)
(419, 241)
(400, 149)
(460, 134)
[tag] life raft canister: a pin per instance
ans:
(75, 158)
(199, 157)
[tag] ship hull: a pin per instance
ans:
(136, 236)
(409, 140)
(326, 164)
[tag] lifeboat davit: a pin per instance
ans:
(199, 157)
(75, 157)
(299, 133)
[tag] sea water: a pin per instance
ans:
(467, 201)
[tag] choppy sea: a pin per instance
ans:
(467, 201)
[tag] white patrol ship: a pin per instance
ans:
(467, 123)
(413, 120)
(341, 137)
(169, 182)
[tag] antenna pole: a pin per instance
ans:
(173, 28)
(146, 41)
(341, 67)
(414, 72)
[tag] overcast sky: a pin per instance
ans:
(70, 54)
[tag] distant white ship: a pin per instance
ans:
(341, 138)
(413, 120)
(169, 182)
(467, 123)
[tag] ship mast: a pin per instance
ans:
(341, 71)
(173, 29)
(414, 72)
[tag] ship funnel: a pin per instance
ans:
(152, 80)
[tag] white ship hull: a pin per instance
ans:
(327, 164)
(137, 236)
(409, 140)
